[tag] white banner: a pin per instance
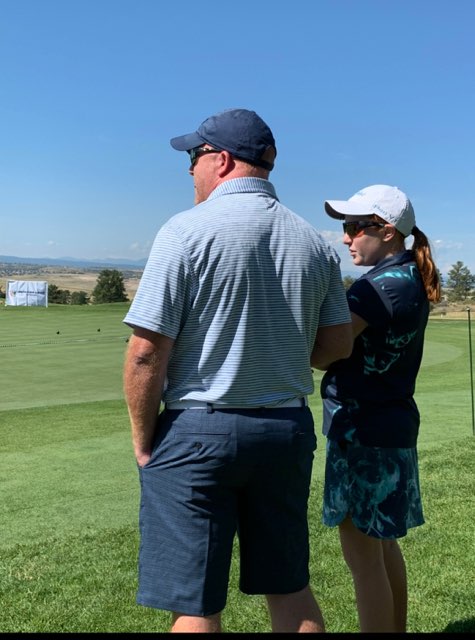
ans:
(26, 293)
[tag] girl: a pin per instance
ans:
(370, 417)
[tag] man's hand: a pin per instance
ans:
(145, 372)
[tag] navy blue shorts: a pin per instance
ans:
(212, 475)
(378, 487)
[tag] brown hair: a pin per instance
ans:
(423, 258)
(425, 264)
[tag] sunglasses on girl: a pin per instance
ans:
(356, 228)
(200, 151)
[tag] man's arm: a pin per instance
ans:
(358, 324)
(332, 343)
(145, 371)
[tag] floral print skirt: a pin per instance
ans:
(377, 487)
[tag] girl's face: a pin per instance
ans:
(367, 240)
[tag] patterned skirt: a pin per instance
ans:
(377, 487)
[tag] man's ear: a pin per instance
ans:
(225, 163)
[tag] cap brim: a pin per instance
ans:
(187, 142)
(339, 209)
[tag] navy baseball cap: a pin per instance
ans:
(241, 132)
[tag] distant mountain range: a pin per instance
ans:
(77, 262)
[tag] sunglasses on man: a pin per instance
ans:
(200, 151)
(356, 228)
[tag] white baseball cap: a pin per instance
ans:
(389, 203)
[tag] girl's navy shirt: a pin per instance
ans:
(370, 395)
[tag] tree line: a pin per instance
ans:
(458, 287)
(109, 287)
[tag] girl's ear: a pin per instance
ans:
(389, 232)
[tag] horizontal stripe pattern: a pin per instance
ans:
(242, 284)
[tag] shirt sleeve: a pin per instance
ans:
(365, 301)
(164, 294)
(334, 308)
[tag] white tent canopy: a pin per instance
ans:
(26, 293)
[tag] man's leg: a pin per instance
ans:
(196, 624)
(295, 612)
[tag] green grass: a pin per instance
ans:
(69, 488)
(81, 363)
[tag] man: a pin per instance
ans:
(237, 296)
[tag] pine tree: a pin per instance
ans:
(460, 282)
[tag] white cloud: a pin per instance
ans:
(140, 248)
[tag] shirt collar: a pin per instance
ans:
(244, 185)
(400, 258)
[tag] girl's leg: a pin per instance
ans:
(396, 571)
(374, 598)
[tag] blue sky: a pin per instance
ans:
(357, 92)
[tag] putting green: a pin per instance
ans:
(439, 352)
